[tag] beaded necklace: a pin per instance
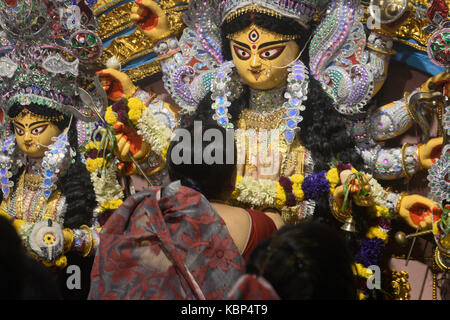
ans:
(266, 101)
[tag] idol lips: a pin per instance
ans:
(256, 73)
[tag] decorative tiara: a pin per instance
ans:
(44, 46)
(302, 11)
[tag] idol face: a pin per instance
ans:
(34, 133)
(261, 57)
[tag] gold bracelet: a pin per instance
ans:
(418, 156)
(399, 201)
(89, 242)
(147, 154)
(68, 239)
(437, 258)
(405, 145)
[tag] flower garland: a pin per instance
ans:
(108, 192)
(133, 118)
(94, 159)
(297, 188)
(287, 191)
(372, 248)
(153, 131)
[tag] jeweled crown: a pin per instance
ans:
(302, 11)
(43, 45)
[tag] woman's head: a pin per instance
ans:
(305, 261)
(34, 127)
(204, 158)
(262, 46)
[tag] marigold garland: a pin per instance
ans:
(378, 232)
(108, 191)
(136, 107)
(110, 205)
(264, 192)
(361, 271)
(110, 116)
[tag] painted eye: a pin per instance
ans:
(241, 53)
(19, 131)
(37, 131)
(271, 53)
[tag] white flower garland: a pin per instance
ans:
(256, 192)
(106, 187)
(153, 131)
(378, 193)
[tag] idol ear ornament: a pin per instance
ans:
(56, 160)
(220, 89)
(296, 94)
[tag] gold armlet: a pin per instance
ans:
(68, 239)
(88, 248)
(418, 156)
(399, 201)
(405, 145)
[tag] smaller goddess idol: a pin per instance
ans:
(46, 190)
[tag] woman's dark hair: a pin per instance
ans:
(211, 179)
(75, 184)
(307, 261)
(323, 130)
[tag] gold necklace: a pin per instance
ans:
(254, 120)
(32, 181)
(19, 199)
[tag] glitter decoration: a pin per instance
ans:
(7, 147)
(39, 62)
(296, 94)
(56, 159)
(338, 58)
(446, 120)
(220, 92)
(439, 47)
(439, 177)
(301, 10)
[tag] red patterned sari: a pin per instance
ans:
(165, 243)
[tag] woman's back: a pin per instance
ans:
(247, 227)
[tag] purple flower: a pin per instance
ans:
(315, 185)
(291, 200)
(384, 223)
(121, 109)
(119, 106)
(343, 166)
(92, 154)
(370, 252)
(122, 117)
(286, 183)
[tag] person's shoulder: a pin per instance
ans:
(276, 218)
